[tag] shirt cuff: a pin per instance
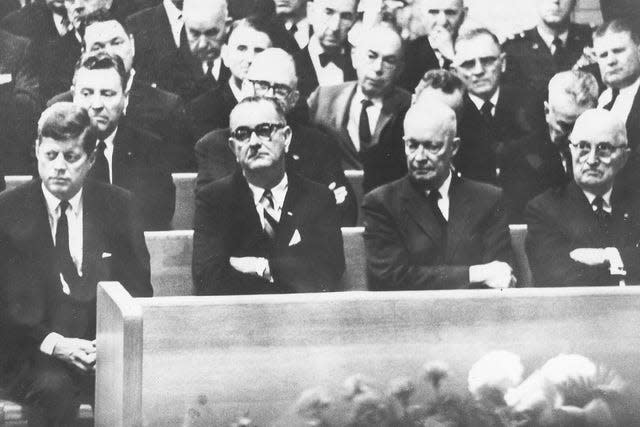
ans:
(616, 266)
(264, 269)
(49, 343)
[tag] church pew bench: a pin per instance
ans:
(222, 356)
(185, 200)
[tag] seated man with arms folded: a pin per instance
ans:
(59, 236)
(432, 229)
(587, 232)
(262, 229)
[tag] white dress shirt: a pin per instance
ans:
(302, 34)
(373, 112)
(444, 201)
(62, 24)
(622, 106)
(548, 38)
(108, 152)
(328, 75)
(279, 193)
(235, 90)
(175, 20)
(215, 70)
(479, 102)
(74, 221)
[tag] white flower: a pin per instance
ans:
(497, 371)
(567, 368)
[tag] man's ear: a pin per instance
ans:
(455, 145)
(133, 44)
(294, 96)
(503, 59)
(287, 133)
(232, 147)
(546, 108)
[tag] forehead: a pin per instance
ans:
(272, 71)
(420, 129)
(444, 4)
(453, 100)
(595, 131)
(611, 38)
(66, 145)
(248, 35)
(252, 114)
(102, 79)
(384, 42)
(338, 5)
(102, 31)
(203, 19)
(564, 107)
(480, 45)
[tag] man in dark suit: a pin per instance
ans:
(443, 19)
(40, 21)
(542, 159)
(262, 229)
(312, 153)
(555, 44)
(61, 235)
(152, 109)
(326, 60)
(247, 37)
(587, 233)
(292, 17)
(19, 104)
(431, 229)
(126, 155)
(617, 48)
(363, 113)
(495, 114)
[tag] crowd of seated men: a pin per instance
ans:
(458, 135)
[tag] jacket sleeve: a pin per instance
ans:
(133, 259)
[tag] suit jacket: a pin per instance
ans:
(307, 76)
(19, 103)
(561, 220)
(227, 224)
(329, 108)
(162, 113)
(633, 124)
(139, 166)
(211, 110)
(8, 6)
(419, 58)
(312, 154)
(34, 21)
(33, 304)
(404, 242)
(57, 64)
(160, 62)
(484, 147)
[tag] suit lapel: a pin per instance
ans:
(632, 122)
(390, 107)
(461, 218)
(247, 214)
(162, 38)
(92, 237)
(286, 227)
(582, 217)
(418, 209)
(341, 106)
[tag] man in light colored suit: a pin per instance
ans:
(367, 114)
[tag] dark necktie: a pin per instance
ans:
(486, 110)
(270, 222)
(603, 217)
(184, 41)
(364, 130)
(433, 197)
(558, 49)
(614, 95)
(209, 73)
(293, 30)
(63, 256)
(337, 59)
(101, 166)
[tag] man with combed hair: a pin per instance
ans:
(264, 229)
(617, 48)
(587, 233)
(432, 229)
(542, 160)
(555, 44)
(61, 235)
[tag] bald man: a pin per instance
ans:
(182, 57)
(432, 229)
(587, 233)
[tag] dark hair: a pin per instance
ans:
(476, 32)
(444, 80)
(260, 99)
(65, 121)
(620, 25)
(103, 15)
(255, 22)
(103, 61)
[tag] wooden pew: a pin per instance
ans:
(518, 235)
(159, 356)
(13, 181)
(355, 178)
(185, 200)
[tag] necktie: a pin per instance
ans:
(209, 73)
(558, 48)
(337, 59)
(64, 261)
(364, 130)
(433, 197)
(293, 30)
(486, 110)
(614, 95)
(603, 217)
(184, 42)
(270, 214)
(101, 166)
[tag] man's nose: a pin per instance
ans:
(477, 67)
(376, 65)
(441, 18)
(97, 102)
(59, 163)
(333, 22)
(592, 157)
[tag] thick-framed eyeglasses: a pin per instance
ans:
(263, 131)
(604, 150)
(262, 87)
(433, 148)
(485, 62)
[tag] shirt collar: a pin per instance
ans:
(315, 49)
(53, 202)
(548, 37)
(444, 188)
(479, 102)
(359, 96)
(606, 197)
(301, 24)
(279, 192)
(632, 89)
(236, 91)
(173, 13)
(108, 141)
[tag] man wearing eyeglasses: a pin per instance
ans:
(587, 233)
(494, 114)
(264, 230)
(433, 229)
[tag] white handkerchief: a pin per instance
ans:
(5, 78)
(106, 255)
(295, 239)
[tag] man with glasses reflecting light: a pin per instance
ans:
(264, 230)
(494, 114)
(587, 233)
(433, 229)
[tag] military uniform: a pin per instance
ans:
(529, 59)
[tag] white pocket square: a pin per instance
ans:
(295, 239)
(5, 78)
(106, 255)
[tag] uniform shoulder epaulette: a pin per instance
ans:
(515, 37)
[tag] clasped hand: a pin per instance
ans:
(76, 352)
(496, 274)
